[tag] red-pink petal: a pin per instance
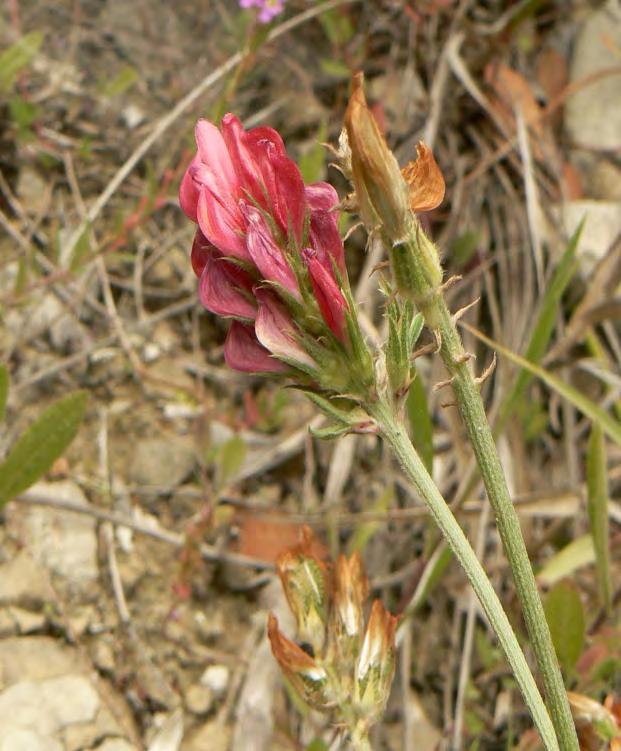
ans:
(329, 297)
(201, 250)
(242, 351)
(276, 331)
(287, 197)
(189, 191)
(268, 257)
(326, 239)
(221, 289)
(222, 224)
(321, 196)
(219, 174)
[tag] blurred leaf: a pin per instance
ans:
(80, 250)
(464, 247)
(365, 530)
(489, 654)
(421, 425)
(594, 412)
(23, 113)
(432, 575)
(316, 745)
(41, 445)
(597, 505)
(313, 161)
(334, 68)
(338, 26)
(565, 616)
(544, 324)
(231, 456)
(17, 56)
(4, 388)
(121, 83)
(578, 553)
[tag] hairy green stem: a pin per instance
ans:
(395, 434)
(417, 279)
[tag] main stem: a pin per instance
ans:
(430, 301)
(394, 433)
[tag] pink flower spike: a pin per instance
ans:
(321, 196)
(243, 352)
(221, 289)
(222, 224)
(218, 174)
(276, 331)
(189, 191)
(326, 239)
(268, 257)
(329, 297)
(201, 250)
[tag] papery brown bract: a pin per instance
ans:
(425, 180)
(351, 588)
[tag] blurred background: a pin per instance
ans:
(135, 577)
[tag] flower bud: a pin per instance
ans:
(350, 591)
(380, 187)
(304, 580)
(376, 663)
(308, 678)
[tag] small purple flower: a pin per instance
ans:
(268, 9)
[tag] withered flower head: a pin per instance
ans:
(304, 579)
(308, 678)
(425, 180)
(350, 592)
(376, 664)
(596, 724)
(380, 187)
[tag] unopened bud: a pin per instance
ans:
(304, 580)
(308, 678)
(376, 664)
(380, 187)
(350, 591)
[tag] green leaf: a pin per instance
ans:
(330, 432)
(18, 56)
(365, 531)
(121, 83)
(80, 250)
(432, 575)
(544, 324)
(578, 553)
(565, 616)
(231, 456)
(421, 426)
(334, 68)
(463, 248)
(597, 504)
(583, 404)
(4, 388)
(41, 445)
(316, 745)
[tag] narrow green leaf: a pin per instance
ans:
(421, 426)
(231, 456)
(313, 161)
(578, 553)
(583, 404)
(18, 56)
(4, 388)
(432, 575)
(365, 531)
(597, 504)
(316, 745)
(121, 83)
(565, 616)
(41, 444)
(544, 324)
(330, 432)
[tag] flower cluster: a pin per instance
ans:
(268, 9)
(267, 251)
(343, 666)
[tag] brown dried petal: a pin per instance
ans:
(425, 180)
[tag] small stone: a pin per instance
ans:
(199, 699)
(132, 116)
(213, 736)
(25, 739)
(32, 190)
(26, 621)
(64, 543)
(22, 582)
(103, 656)
(114, 744)
(216, 678)
(593, 112)
(162, 462)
